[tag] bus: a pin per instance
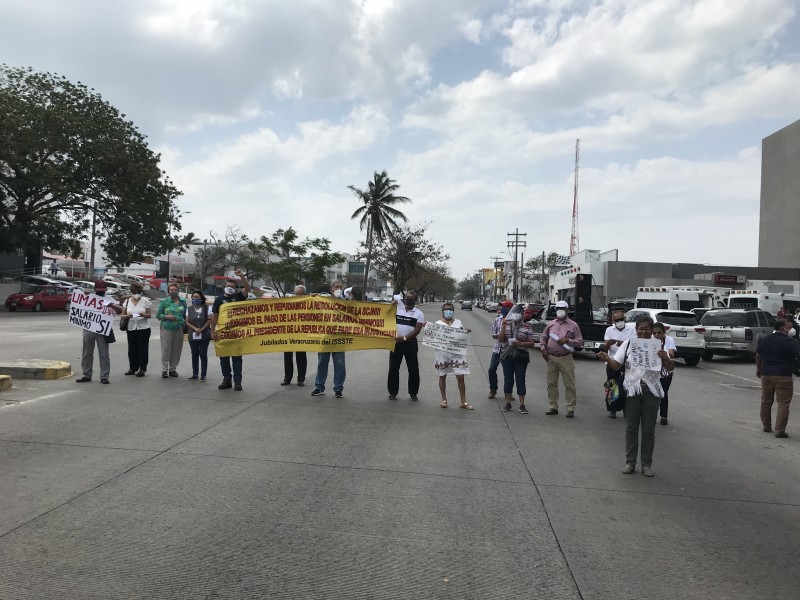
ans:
(768, 301)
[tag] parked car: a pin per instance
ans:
(36, 280)
(39, 298)
(491, 306)
(735, 331)
(466, 305)
(682, 326)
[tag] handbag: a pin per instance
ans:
(615, 389)
(520, 355)
(123, 323)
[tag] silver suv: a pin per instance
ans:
(735, 332)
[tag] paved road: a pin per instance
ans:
(151, 488)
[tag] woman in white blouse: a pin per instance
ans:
(136, 313)
(667, 344)
(447, 363)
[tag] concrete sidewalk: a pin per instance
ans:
(153, 488)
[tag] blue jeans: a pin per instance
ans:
(199, 350)
(514, 369)
(493, 364)
(225, 363)
(339, 370)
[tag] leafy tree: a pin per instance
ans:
(66, 156)
(538, 270)
(432, 283)
(378, 214)
(219, 255)
(284, 259)
(406, 253)
(470, 287)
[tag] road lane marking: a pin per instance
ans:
(756, 381)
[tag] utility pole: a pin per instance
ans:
(548, 287)
(574, 243)
(90, 274)
(495, 260)
(516, 243)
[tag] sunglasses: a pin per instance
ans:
(619, 320)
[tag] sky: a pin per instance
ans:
(265, 111)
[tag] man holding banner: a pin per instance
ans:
(95, 315)
(231, 295)
(410, 321)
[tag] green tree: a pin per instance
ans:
(540, 270)
(406, 253)
(433, 283)
(470, 287)
(284, 259)
(68, 156)
(378, 214)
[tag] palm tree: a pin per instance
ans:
(378, 214)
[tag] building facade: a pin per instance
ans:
(778, 235)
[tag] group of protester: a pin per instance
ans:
(644, 392)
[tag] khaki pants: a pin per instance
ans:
(776, 387)
(565, 366)
(171, 348)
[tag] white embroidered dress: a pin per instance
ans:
(447, 363)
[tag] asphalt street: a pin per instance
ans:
(153, 488)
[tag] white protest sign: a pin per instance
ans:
(447, 339)
(644, 354)
(91, 312)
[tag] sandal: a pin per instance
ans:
(467, 406)
(443, 404)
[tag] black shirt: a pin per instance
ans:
(220, 300)
(777, 352)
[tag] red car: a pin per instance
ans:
(39, 298)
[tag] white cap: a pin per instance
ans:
(562, 304)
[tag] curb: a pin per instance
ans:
(35, 369)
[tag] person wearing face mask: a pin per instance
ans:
(410, 322)
(446, 363)
(559, 339)
(515, 357)
(615, 334)
(172, 314)
(494, 362)
(226, 362)
(198, 322)
(775, 356)
(92, 339)
(669, 346)
(324, 359)
(136, 311)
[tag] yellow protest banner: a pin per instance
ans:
(304, 324)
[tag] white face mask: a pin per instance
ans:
(620, 325)
(792, 332)
(137, 296)
(230, 291)
(561, 314)
(338, 293)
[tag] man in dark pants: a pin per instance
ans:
(302, 361)
(231, 295)
(410, 322)
(775, 356)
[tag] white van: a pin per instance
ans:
(676, 298)
(771, 302)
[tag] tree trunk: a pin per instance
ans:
(369, 256)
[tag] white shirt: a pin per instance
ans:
(407, 320)
(612, 333)
(142, 306)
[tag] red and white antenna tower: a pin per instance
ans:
(574, 245)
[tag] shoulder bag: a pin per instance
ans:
(123, 323)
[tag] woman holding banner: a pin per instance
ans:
(447, 362)
(643, 392)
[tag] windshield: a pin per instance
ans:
(671, 318)
(725, 319)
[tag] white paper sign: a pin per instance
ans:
(643, 354)
(447, 339)
(91, 312)
(566, 347)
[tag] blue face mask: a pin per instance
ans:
(448, 314)
(197, 301)
(504, 311)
